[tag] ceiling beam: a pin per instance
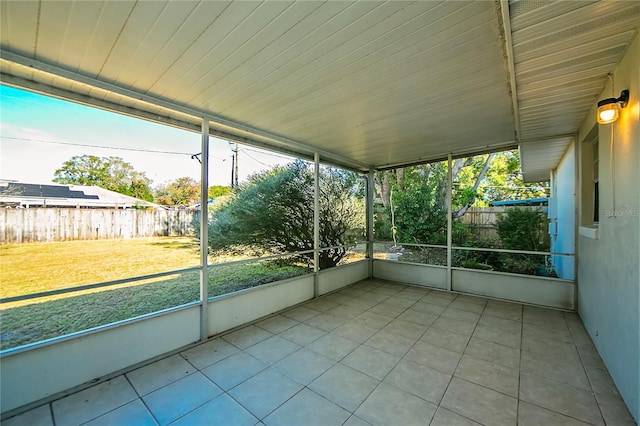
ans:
(507, 47)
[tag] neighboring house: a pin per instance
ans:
(25, 195)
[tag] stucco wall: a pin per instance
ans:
(608, 271)
(565, 190)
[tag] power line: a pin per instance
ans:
(96, 146)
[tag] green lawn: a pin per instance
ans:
(39, 319)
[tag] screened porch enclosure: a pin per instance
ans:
(496, 331)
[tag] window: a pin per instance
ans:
(596, 193)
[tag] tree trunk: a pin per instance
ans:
(460, 212)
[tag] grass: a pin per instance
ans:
(36, 267)
(39, 319)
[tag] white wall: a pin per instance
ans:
(342, 276)
(608, 271)
(426, 275)
(565, 203)
(38, 373)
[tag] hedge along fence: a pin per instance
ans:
(481, 221)
(64, 224)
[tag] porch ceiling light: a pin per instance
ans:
(609, 109)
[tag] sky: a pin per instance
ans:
(39, 133)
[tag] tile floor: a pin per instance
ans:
(375, 353)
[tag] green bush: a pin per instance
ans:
(523, 229)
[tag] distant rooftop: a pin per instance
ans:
(21, 194)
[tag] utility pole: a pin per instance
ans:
(234, 165)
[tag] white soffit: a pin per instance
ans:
(540, 157)
(563, 52)
(375, 82)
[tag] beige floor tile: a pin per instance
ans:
(500, 312)
(399, 302)
(356, 421)
(416, 317)
(614, 410)
(133, 413)
(209, 353)
(488, 374)
(457, 326)
(387, 310)
(321, 305)
(355, 331)
(388, 405)
(537, 331)
(360, 303)
(501, 323)
(373, 320)
(497, 335)
(445, 339)
(177, 399)
(374, 297)
(40, 416)
(556, 348)
(419, 380)
(344, 386)
(436, 299)
(432, 356)
(445, 417)
(532, 415)
(277, 324)
(264, 392)
(304, 366)
(589, 357)
(460, 314)
(371, 361)
(160, 373)
(302, 334)
(480, 404)
(406, 329)
(428, 308)
(467, 305)
(346, 312)
(233, 370)
(309, 409)
(333, 346)
(601, 381)
(272, 350)
(301, 313)
(493, 352)
(562, 398)
(326, 322)
(93, 402)
(247, 336)
(390, 343)
(222, 410)
(554, 368)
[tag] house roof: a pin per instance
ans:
(364, 84)
(53, 195)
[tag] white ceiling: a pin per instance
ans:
(364, 83)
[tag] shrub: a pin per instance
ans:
(523, 229)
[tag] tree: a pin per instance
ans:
(183, 191)
(273, 213)
(216, 191)
(111, 173)
(419, 194)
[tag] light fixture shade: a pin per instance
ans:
(609, 109)
(608, 113)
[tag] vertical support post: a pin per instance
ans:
(370, 222)
(316, 222)
(449, 220)
(204, 233)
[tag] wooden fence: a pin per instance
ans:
(480, 221)
(63, 224)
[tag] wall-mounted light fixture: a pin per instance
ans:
(609, 109)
